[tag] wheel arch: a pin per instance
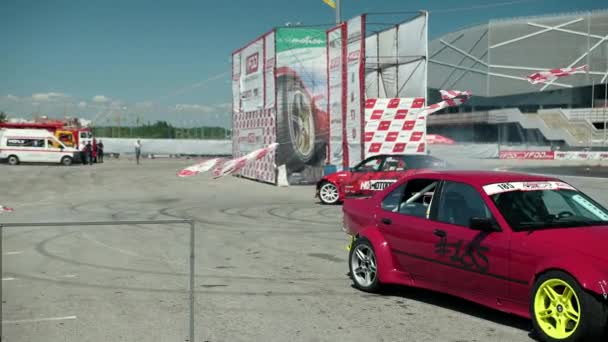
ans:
(589, 277)
(384, 257)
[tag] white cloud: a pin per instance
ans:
(12, 97)
(48, 96)
(194, 108)
(82, 105)
(101, 99)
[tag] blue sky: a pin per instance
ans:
(171, 59)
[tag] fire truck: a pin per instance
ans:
(69, 133)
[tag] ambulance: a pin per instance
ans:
(34, 146)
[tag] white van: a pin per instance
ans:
(34, 146)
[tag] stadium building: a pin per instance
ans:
(492, 60)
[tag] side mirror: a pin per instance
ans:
(483, 224)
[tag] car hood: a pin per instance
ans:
(588, 241)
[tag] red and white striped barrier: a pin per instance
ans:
(553, 74)
(5, 209)
(222, 167)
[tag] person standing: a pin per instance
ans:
(94, 151)
(137, 150)
(89, 152)
(85, 153)
(100, 151)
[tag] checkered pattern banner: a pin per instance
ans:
(252, 131)
(395, 126)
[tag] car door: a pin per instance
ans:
(361, 176)
(404, 224)
(467, 261)
(53, 152)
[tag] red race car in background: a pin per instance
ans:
(528, 245)
(371, 175)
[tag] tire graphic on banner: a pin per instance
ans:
(301, 83)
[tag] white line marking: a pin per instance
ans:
(68, 276)
(8, 278)
(34, 320)
(12, 253)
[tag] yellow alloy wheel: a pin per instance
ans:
(557, 309)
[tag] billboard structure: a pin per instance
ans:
(305, 88)
(280, 95)
(366, 64)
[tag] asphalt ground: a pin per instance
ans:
(271, 264)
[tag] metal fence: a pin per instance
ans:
(190, 223)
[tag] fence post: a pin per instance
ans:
(192, 281)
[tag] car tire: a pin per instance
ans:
(13, 160)
(562, 310)
(363, 266)
(299, 144)
(66, 161)
(328, 193)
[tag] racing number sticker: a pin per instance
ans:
(470, 255)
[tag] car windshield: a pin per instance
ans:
(550, 208)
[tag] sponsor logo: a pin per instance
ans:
(375, 147)
(353, 56)
(392, 136)
(334, 63)
(416, 136)
(377, 185)
(408, 125)
(526, 155)
(369, 136)
(384, 125)
(369, 103)
(399, 147)
(401, 114)
(377, 114)
(421, 148)
(418, 103)
(308, 40)
(253, 62)
(270, 64)
(393, 103)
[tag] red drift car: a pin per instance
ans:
(371, 175)
(528, 245)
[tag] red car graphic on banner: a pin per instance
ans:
(371, 175)
(528, 245)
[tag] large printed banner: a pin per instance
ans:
(269, 66)
(395, 126)
(253, 131)
(252, 76)
(236, 82)
(337, 103)
(301, 81)
(354, 88)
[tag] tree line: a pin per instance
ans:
(161, 130)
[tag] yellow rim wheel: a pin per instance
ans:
(557, 309)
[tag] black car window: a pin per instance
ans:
(459, 203)
(370, 165)
(392, 200)
(413, 198)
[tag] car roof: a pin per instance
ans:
(482, 178)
